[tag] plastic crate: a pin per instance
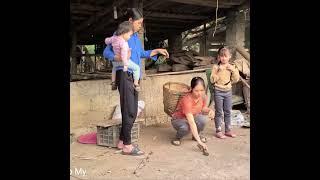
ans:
(109, 136)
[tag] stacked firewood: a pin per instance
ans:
(186, 60)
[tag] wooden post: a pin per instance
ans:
(175, 42)
(143, 60)
(243, 52)
(246, 94)
(205, 39)
(235, 32)
(95, 58)
(73, 67)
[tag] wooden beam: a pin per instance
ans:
(175, 16)
(179, 72)
(111, 24)
(78, 18)
(165, 20)
(87, 7)
(135, 4)
(243, 52)
(210, 3)
(88, 22)
(105, 25)
(199, 9)
(220, 26)
(154, 32)
(195, 38)
(87, 76)
(166, 25)
(107, 31)
(100, 14)
(164, 30)
(244, 4)
(233, 2)
(82, 12)
(105, 22)
(154, 27)
(207, 20)
(150, 3)
(162, 34)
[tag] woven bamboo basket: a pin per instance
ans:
(172, 93)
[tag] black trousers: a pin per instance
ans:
(128, 103)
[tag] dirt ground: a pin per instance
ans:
(229, 159)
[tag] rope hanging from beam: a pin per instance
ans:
(215, 27)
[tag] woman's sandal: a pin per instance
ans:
(137, 88)
(134, 152)
(135, 145)
(176, 142)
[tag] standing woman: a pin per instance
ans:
(124, 81)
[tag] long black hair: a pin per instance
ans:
(133, 13)
(197, 80)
